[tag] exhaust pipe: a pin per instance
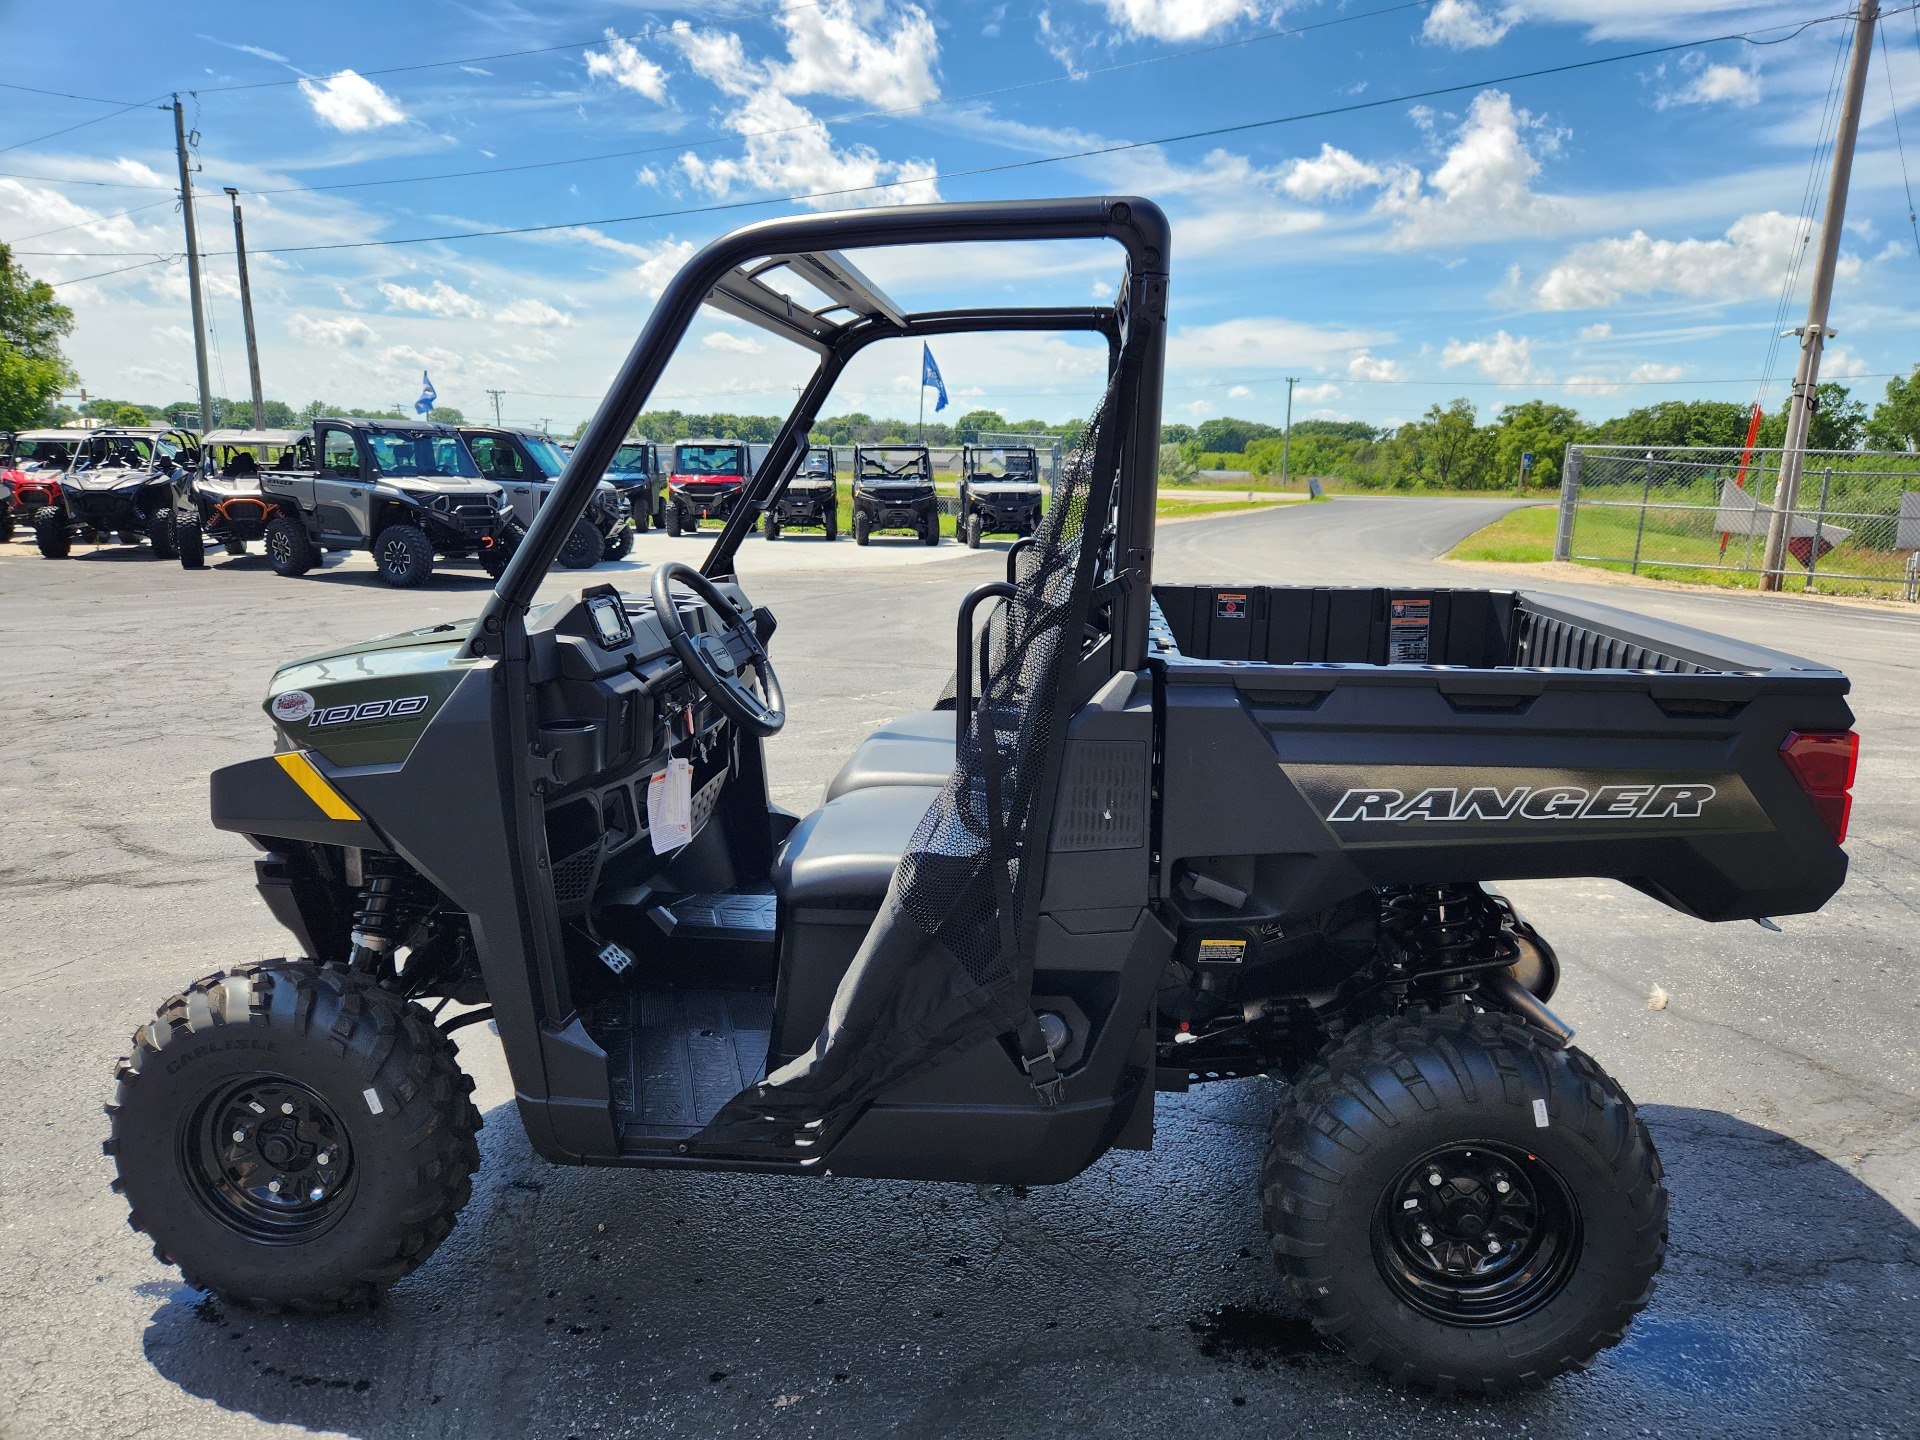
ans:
(1522, 1002)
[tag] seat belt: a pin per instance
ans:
(1036, 1058)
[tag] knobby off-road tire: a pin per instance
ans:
(585, 546)
(619, 545)
(290, 551)
(973, 532)
(6, 519)
(190, 543)
(369, 1082)
(672, 526)
(404, 556)
(1365, 1238)
(162, 535)
(50, 532)
(832, 526)
(862, 527)
(773, 527)
(930, 532)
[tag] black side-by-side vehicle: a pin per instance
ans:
(999, 492)
(1158, 836)
(893, 490)
(118, 485)
(811, 500)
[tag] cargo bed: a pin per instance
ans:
(1351, 737)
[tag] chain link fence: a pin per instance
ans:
(1855, 525)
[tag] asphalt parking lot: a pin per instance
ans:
(1781, 1081)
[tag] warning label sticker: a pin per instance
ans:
(1222, 952)
(1409, 623)
(1230, 605)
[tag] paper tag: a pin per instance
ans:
(670, 807)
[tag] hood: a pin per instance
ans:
(110, 478)
(439, 485)
(1004, 487)
(367, 704)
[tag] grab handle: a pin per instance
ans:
(963, 654)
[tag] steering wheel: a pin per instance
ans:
(719, 663)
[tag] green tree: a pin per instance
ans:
(1229, 436)
(1675, 422)
(1175, 434)
(33, 370)
(1539, 428)
(1839, 421)
(1175, 467)
(973, 422)
(1448, 450)
(1895, 423)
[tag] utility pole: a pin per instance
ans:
(193, 267)
(246, 312)
(1286, 435)
(1814, 334)
(496, 394)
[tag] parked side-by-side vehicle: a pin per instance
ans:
(1157, 836)
(526, 464)
(999, 492)
(893, 490)
(635, 472)
(220, 498)
(118, 485)
(811, 500)
(705, 482)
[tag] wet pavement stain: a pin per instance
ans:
(1257, 1337)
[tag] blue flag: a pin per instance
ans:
(930, 375)
(428, 395)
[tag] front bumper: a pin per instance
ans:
(708, 502)
(806, 507)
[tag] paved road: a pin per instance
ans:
(1780, 1082)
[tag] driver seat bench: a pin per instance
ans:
(916, 749)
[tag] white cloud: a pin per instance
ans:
(1362, 365)
(830, 52)
(1482, 188)
(1463, 25)
(1315, 394)
(622, 63)
(532, 312)
(350, 101)
(1652, 373)
(1259, 342)
(1599, 331)
(1238, 392)
(1746, 264)
(442, 300)
(1505, 359)
(731, 343)
(1840, 363)
(1199, 409)
(787, 149)
(1712, 85)
(718, 57)
(1178, 19)
(347, 332)
(1329, 174)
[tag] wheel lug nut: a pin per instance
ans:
(1493, 1247)
(1426, 1237)
(1433, 1177)
(322, 1158)
(1502, 1186)
(239, 1136)
(286, 1107)
(274, 1186)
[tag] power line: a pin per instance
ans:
(1093, 152)
(22, 144)
(83, 224)
(1893, 103)
(62, 94)
(101, 275)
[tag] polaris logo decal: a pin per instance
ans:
(1441, 803)
(1399, 804)
(367, 711)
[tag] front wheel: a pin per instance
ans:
(404, 556)
(51, 533)
(161, 534)
(973, 531)
(584, 546)
(773, 527)
(190, 543)
(6, 520)
(619, 545)
(832, 525)
(291, 1135)
(930, 532)
(290, 551)
(1462, 1203)
(672, 526)
(862, 527)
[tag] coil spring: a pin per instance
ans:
(1440, 926)
(385, 907)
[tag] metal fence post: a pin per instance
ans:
(1569, 493)
(1819, 520)
(1640, 529)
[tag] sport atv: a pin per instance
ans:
(705, 482)
(526, 464)
(220, 498)
(811, 499)
(118, 485)
(999, 492)
(407, 491)
(1157, 837)
(893, 490)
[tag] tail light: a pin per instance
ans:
(1824, 762)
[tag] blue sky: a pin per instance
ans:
(1606, 237)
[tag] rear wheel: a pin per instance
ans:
(6, 520)
(862, 527)
(404, 556)
(833, 522)
(640, 518)
(973, 531)
(289, 549)
(619, 545)
(930, 530)
(584, 546)
(191, 543)
(1462, 1203)
(161, 534)
(290, 1134)
(51, 534)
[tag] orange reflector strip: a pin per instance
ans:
(301, 771)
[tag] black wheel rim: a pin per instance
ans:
(1477, 1234)
(269, 1159)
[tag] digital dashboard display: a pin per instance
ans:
(610, 624)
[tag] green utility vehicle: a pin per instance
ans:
(893, 490)
(1157, 837)
(999, 491)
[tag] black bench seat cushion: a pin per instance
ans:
(844, 854)
(913, 750)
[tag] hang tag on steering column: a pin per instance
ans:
(670, 807)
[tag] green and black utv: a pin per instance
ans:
(893, 490)
(1156, 837)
